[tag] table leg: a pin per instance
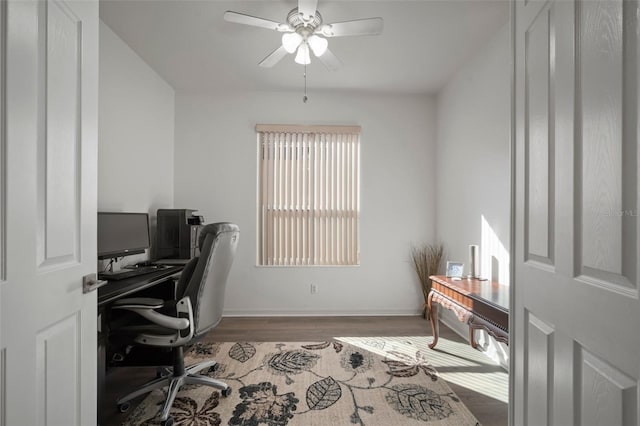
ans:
(472, 340)
(433, 314)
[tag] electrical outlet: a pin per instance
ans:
(314, 289)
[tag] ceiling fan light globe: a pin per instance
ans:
(291, 41)
(302, 57)
(318, 45)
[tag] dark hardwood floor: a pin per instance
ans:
(478, 383)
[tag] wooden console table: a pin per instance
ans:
(480, 304)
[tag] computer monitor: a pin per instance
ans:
(122, 234)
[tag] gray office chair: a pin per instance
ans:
(175, 324)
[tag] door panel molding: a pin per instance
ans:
(58, 371)
(59, 153)
(539, 140)
(539, 366)
(3, 202)
(606, 146)
(3, 141)
(607, 396)
(3, 386)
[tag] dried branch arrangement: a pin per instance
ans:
(427, 261)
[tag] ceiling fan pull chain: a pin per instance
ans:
(305, 98)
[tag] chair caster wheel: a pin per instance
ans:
(168, 422)
(124, 407)
(226, 392)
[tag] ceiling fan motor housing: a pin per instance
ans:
(304, 27)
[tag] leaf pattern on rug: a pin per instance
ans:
(356, 361)
(185, 411)
(410, 366)
(292, 362)
(337, 346)
(317, 346)
(242, 352)
(262, 404)
(203, 350)
(323, 393)
(418, 402)
(376, 344)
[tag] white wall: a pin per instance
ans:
(215, 165)
(473, 158)
(473, 168)
(135, 130)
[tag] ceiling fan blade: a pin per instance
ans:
(369, 26)
(241, 18)
(273, 57)
(330, 61)
(307, 8)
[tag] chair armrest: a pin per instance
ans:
(162, 320)
(138, 302)
(145, 307)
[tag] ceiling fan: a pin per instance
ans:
(305, 31)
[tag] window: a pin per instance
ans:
(308, 195)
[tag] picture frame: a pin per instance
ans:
(455, 269)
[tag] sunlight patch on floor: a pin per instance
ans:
(455, 362)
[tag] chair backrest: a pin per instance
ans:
(204, 279)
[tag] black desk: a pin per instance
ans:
(115, 290)
(162, 280)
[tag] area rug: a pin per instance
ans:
(375, 382)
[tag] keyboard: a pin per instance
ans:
(128, 273)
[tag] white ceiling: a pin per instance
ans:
(190, 45)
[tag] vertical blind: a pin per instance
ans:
(308, 195)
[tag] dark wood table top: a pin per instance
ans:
(486, 292)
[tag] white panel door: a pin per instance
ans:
(48, 157)
(577, 260)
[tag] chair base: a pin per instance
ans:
(174, 382)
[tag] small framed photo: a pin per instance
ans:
(455, 269)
